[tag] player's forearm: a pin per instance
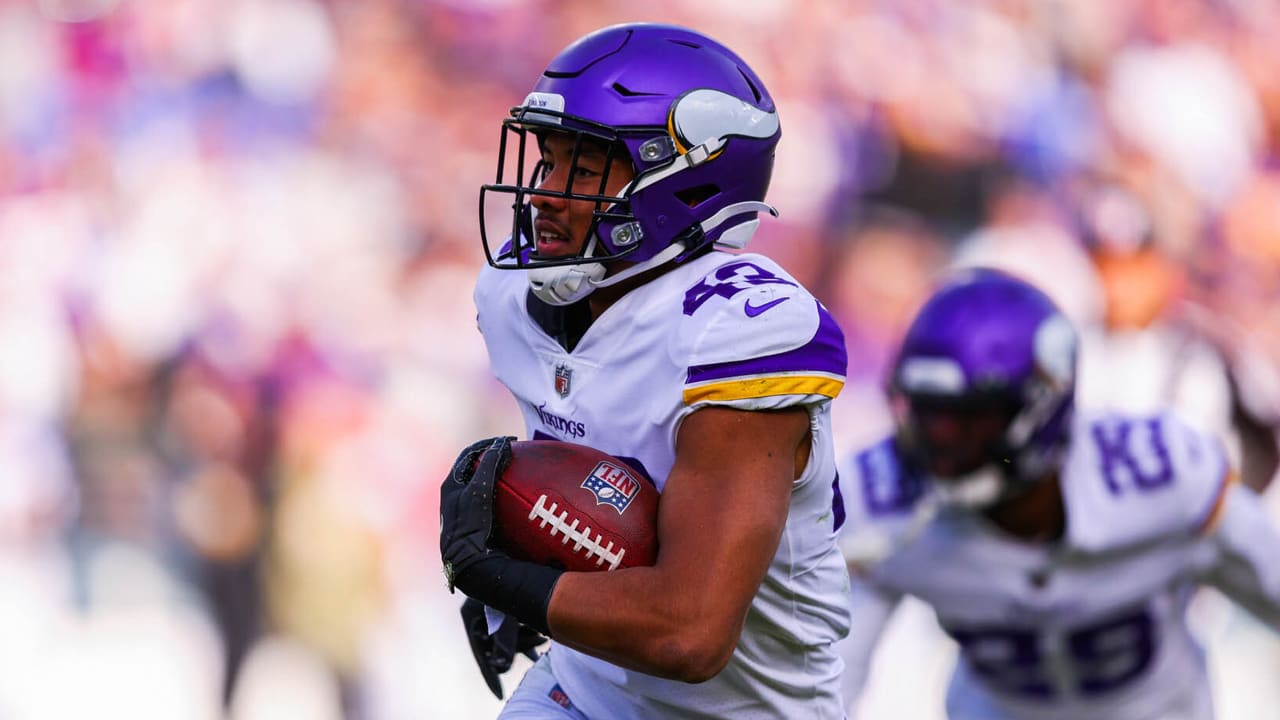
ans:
(722, 514)
(651, 624)
(1247, 571)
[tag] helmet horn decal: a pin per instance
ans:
(710, 118)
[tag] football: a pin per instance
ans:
(574, 507)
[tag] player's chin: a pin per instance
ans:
(950, 466)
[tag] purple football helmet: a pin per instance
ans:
(696, 123)
(989, 342)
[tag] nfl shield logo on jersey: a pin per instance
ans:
(612, 485)
(564, 374)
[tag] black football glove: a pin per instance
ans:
(495, 653)
(517, 588)
(466, 505)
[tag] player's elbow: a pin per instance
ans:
(694, 657)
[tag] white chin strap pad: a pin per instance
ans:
(566, 284)
(978, 490)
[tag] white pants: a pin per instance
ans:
(539, 697)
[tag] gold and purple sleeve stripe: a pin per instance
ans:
(763, 386)
(1214, 515)
(815, 368)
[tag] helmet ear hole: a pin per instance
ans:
(695, 196)
(755, 90)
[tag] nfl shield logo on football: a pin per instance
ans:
(564, 374)
(612, 485)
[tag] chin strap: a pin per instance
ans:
(564, 284)
(567, 284)
(739, 235)
(977, 490)
(668, 253)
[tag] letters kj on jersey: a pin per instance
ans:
(612, 485)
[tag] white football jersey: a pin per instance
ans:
(1092, 626)
(730, 330)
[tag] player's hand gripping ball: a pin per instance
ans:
(575, 507)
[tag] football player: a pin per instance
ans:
(1059, 549)
(617, 315)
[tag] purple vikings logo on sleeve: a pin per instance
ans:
(612, 485)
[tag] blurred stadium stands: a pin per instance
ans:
(237, 244)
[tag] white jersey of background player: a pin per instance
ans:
(1059, 551)
(616, 320)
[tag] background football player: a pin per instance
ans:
(641, 156)
(1058, 549)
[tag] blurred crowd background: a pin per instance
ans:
(238, 240)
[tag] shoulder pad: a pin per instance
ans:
(750, 331)
(881, 499)
(1134, 479)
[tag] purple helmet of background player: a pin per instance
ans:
(989, 342)
(697, 125)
